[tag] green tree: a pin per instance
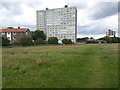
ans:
(38, 34)
(91, 38)
(66, 41)
(53, 40)
(108, 39)
(114, 40)
(26, 41)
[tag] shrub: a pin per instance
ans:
(53, 40)
(67, 41)
(26, 41)
(4, 41)
(15, 44)
(39, 41)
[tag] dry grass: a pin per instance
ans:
(83, 66)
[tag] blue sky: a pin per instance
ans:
(94, 17)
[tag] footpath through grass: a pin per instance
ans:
(76, 66)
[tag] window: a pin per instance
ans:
(14, 38)
(8, 32)
(26, 33)
(14, 33)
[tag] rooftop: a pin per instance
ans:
(14, 30)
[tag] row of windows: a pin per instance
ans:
(60, 9)
(14, 38)
(60, 26)
(59, 14)
(60, 23)
(61, 34)
(73, 36)
(14, 33)
(3, 33)
(59, 20)
(61, 31)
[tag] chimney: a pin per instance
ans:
(66, 6)
(18, 27)
(10, 28)
(46, 8)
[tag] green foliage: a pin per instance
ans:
(92, 41)
(39, 41)
(15, 44)
(111, 39)
(115, 39)
(67, 41)
(53, 40)
(26, 41)
(108, 39)
(4, 41)
(82, 39)
(38, 34)
(91, 38)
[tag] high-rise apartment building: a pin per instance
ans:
(110, 33)
(60, 22)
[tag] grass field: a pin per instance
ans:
(75, 66)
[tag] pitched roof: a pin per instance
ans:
(14, 30)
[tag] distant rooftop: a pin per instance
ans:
(11, 29)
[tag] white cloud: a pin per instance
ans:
(27, 17)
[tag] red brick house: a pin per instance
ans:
(15, 34)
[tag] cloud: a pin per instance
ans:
(11, 8)
(93, 18)
(103, 10)
(99, 27)
(77, 3)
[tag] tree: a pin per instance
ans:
(111, 39)
(53, 40)
(4, 42)
(114, 40)
(66, 41)
(91, 38)
(82, 39)
(26, 41)
(108, 39)
(38, 34)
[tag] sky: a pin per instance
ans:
(94, 17)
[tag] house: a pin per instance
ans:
(15, 34)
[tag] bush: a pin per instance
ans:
(39, 41)
(53, 40)
(111, 39)
(26, 41)
(15, 44)
(67, 41)
(4, 41)
(114, 39)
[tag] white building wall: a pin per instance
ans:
(60, 23)
(9, 36)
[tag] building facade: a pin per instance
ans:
(15, 34)
(110, 33)
(60, 22)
